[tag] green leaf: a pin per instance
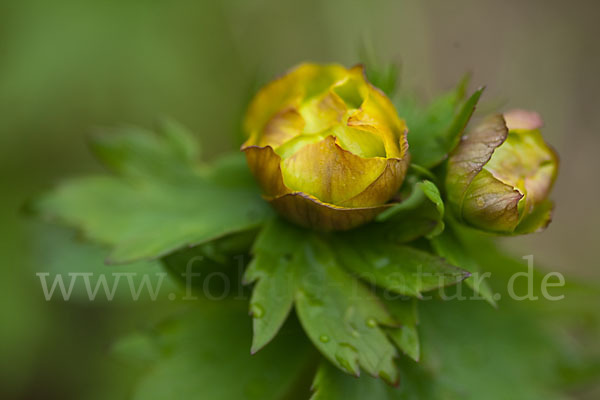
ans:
(470, 352)
(475, 351)
(161, 199)
(424, 208)
(330, 384)
(138, 153)
(204, 355)
(449, 246)
(214, 269)
(435, 130)
(85, 277)
(382, 75)
(273, 271)
(338, 313)
(397, 268)
(406, 337)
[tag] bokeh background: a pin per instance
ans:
(67, 67)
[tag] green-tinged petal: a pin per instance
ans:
(362, 143)
(378, 115)
(309, 212)
(384, 187)
(305, 80)
(526, 162)
(284, 125)
(473, 152)
(331, 174)
(265, 166)
(491, 205)
(501, 172)
(323, 112)
(538, 220)
(334, 142)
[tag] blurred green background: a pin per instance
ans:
(67, 67)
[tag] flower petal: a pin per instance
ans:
(470, 156)
(332, 174)
(284, 126)
(378, 115)
(491, 205)
(308, 211)
(538, 220)
(523, 119)
(323, 112)
(265, 166)
(526, 162)
(302, 82)
(384, 187)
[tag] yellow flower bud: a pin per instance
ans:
(500, 175)
(326, 146)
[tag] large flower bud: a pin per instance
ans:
(501, 173)
(327, 147)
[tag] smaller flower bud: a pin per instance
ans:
(500, 175)
(326, 146)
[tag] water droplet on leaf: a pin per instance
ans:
(257, 310)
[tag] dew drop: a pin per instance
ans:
(257, 310)
(371, 323)
(381, 262)
(324, 338)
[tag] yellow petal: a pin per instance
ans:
(323, 112)
(265, 166)
(282, 127)
(302, 82)
(384, 187)
(330, 173)
(378, 115)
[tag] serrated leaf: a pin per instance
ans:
(475, 350)
(398, 268)
(215, 269)
(330, 384)
(339, 314)
(204, 355)
(423, 208)
(138, 153)
(435, 130)
(271, 270)
(161, 200)
(449, 246)
(382, 75)
(60, 257)
(470, 352)
(406, 337)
